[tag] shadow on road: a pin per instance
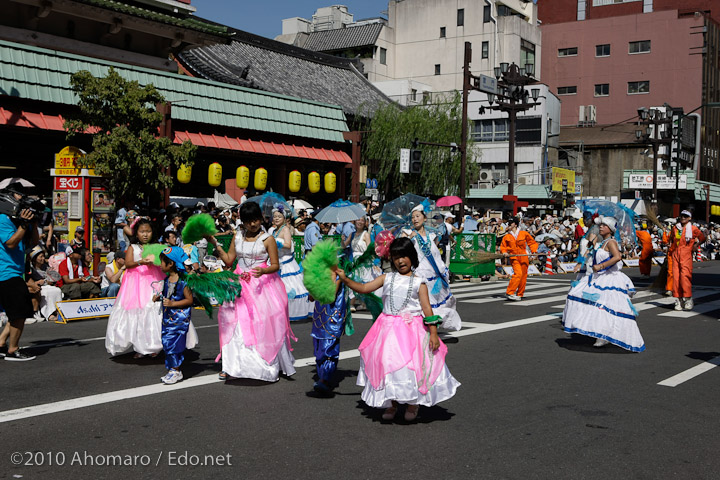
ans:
(581, 343)
(435, 413)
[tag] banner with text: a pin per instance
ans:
(560, 174)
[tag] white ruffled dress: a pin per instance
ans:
(299, 305)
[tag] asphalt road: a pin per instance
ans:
(534, 403)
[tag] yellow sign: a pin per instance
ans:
(560, 174)
(66, 162)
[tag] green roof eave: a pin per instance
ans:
(40, 74)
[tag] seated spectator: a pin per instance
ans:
(41, 286)
(300, 225)
(545, 249)
(78, 239)
(114, 270)
(75, 281)
(170, 238)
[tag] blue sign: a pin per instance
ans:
(374, 183)
(368, 183)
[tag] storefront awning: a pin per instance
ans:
(20, 118)
(262, 147)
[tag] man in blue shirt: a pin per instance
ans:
(15, 235)
(312, 235)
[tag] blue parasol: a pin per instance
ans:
(396, 213)
(341, 211)
(270, 200)
(625, 228)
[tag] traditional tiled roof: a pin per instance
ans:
(258, 62)
(40, 74)
(191, 23)
(343, 38)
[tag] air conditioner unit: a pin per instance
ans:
(498, 175)
(484, 186)
(591, 113)
(522, 180)
(581, 114)
(486, 175)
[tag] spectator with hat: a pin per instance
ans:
(16, 233)
(41, 286)
(75, 280)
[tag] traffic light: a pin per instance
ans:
(415, 161)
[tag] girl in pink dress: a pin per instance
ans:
(402, 358)
(136, 321)
(255, 329)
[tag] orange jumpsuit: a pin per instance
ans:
(668, 259)
(682, 261)
(647, 252)
(512, 245)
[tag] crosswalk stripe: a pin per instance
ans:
(503, 288)
(530, 294)
(690, 373)
(539, 301)
(697, 310)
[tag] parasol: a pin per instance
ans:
(625, 229)
(341, 211)
(9, 181)
(298, 204)
(448, 201)
(396, 213)
(270, 200)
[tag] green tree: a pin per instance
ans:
(393, 128)
(123, 119)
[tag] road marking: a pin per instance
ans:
(530, 303)
(690, 373)
(655, 302)
(136, 392)
(697, 310)
(502, 289)
(531, 294)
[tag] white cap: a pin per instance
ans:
(419, 208)
(609, 221)
(449, 215)
(686, 213)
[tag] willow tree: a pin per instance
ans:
(126, 147)
(393, 128)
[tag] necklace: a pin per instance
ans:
(277, 231)
(408, 294)
(252, 251)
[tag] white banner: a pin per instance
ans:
(658, 260)
(84, 309)
(533, 270)
(664, 182)
(632, 262)
(567, 267)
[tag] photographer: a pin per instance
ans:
(17, 232)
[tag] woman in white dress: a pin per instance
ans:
(359, 245)
(434, 270)
(598, 305)
(255, 330)
(299, 305)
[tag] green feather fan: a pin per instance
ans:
(318, 275)
(220, 286)
(197, 227)
(153, 251)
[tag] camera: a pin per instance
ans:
(12, 207)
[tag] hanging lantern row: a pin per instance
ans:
(242, 178)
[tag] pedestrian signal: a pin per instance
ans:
(415, 161)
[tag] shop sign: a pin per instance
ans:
(664, 182)
(560, 174)
(68, 183)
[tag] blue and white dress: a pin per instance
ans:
(599, 306)
(437, 275)
(299, 305)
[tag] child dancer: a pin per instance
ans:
(402, 358)
(177, 301)
(255, 329)
(328, 326)
(135, 321)
(598, 305)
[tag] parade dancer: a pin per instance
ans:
(327, 328)
(402, 358)
(434, 270)
(685, 238)
(136, 321)
(177, 301)
(646, 255)
(299, 305)
(517, 242)
(598, 305)
(255, 330)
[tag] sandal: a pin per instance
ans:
(138, 355)
(223, 376)
(389, 413)
(412, 412)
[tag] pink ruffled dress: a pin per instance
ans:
(135, 322)
(396, 361)
(255, 330)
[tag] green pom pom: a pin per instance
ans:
(153, 251)
(197, 227)
(318, 275)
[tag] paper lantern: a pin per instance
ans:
(184, 173)
(294, 181)
(330, 182)
(242, 177)
(314, 182)
(260, 181)
(215, 174)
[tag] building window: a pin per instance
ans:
(461, 17)
(383, 56)
(529, 131)
(642, 46)
(635, 88)
(567, 52)
(437, 69)
(602, 50)
(602, 89)
(442, 32)
(485, 49)
(567, 90)
(491, 130)
(527, 53)
(413, 95)
(486, 14)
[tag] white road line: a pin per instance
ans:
(690, 373)
(699, 309)
(539, 301)
(502, 289)
(655, 302)
(531, 294)
(136, 392)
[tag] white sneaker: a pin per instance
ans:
(38, 316)
(689, 304)
(30, 320)
(600, 343)
(668, 293)
(172, 377)
(513, 298)
(678, 304)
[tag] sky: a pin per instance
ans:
(264, 17)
